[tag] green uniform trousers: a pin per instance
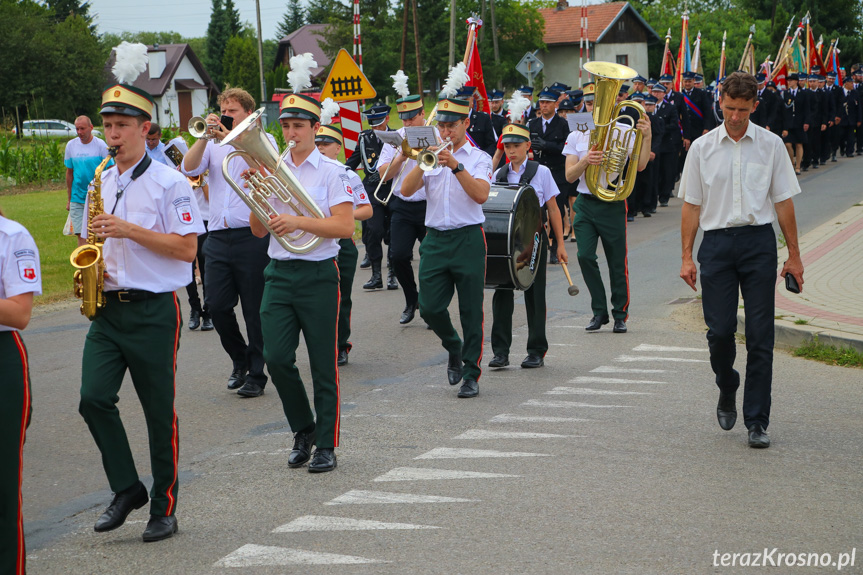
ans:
(303, 296)
(347, 260)
(455, 260)
(503, 305)
(15, 411)
(143, 337)
(594, 220)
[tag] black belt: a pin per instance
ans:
(130, 295)
(740, 230)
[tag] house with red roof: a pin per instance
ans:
(616, 32)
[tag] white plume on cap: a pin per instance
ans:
(329, 110)
(131, 60)
(300, 76)
(400, 84)
(517, 106)
(456, 80)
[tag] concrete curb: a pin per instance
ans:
(789, 335)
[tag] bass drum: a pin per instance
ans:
(513, 227)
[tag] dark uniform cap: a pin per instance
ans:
(770, 84)
(650, 99)
(624, 89)
(637, 97)
(688, 75)
(300, 106)
(526, 90)
(560, 87)
(575, 95)
(658, 88)
(127, 100)
(548, 94)
(376, 114)
(666, 78)
(699, 77)
(792, 77)
(495, 95)
(466, 91)
(760, 78)
(640, 78)
(566, 106)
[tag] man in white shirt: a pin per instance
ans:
(734, 179)
(452, 255)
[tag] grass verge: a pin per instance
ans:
(830, 354)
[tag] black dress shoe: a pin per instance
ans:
(194, 319)
(160, 527)
(646, 215)
(663, 204)
(619, 326)
(392, 283)
(553, 260)
(206, 323)
(343, 357)
(454, 368)
(250, 389)
(366, 263)
(726, 409)
(596, 322)
(758, 437)
(499, 360)
(470, 388)
(323, 460)
(532, 361)
(121, 506)
(408, 313)
(302, 449)
(237, 379)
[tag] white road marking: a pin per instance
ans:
(511, 418)
(420, 474)
(632, 358)
(483, 434)
(612, 369)
(276, 452)
(266, 555)
(667, 348)
(320, 523)
(360, 497)
(450, 453)
(595, 379)
(586, 391)
(538, 403)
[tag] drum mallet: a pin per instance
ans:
(572, 289)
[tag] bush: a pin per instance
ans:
(30, 161)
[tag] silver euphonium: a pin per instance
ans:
(273, 179)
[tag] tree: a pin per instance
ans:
(294, 19)
(64, 8)
(327, 12)
(233, 18)
(217, 40)
(240, 65)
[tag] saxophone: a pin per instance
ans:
(89, 278)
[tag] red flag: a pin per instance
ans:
(779, 78)
(814, 56)
(474, 72)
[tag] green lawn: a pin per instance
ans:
(43, 214)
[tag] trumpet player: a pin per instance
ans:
(455, 189)
(234, 257)
(301, 293)
(149, 227)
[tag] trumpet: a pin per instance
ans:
(199, 128)
(427, 159)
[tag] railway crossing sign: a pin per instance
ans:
(346, 81)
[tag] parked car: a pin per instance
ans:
(50, 129)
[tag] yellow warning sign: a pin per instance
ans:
(346, 81)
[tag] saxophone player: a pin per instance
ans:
(149, 227)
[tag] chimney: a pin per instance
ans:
(561, 4)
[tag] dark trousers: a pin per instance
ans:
(644, 194)
(667, 175)
(441, 274)
(15, 412)
(303, 296)
(376, 230)
(503, 306)
(347, 260)
(142, 337)
(743, 258)
(192, 288)
(847, 139)
(595, 220)
(235, 272)
(407, 226)
(826, 144)
(858, 130)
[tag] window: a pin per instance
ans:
(622, 59)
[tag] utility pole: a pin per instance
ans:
(451, 33)
(404, 34)
(261, 58)
(494, 33)
(417, 49)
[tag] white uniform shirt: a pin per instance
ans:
(227, 209)
(388, 153)
(542, 182)
(737, 183)
(203, 202)
(328, 184)
(160, 200)
(358, 192)
(578, 144)
(449, 207)
(19, 263)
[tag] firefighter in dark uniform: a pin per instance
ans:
(498, 114)
(857, 75)
(548, 135)
(796, 120)
(766, 114)
(821, 118)
(715, 117)
(646, 190)
(667, 149)
(848, 115)
(697, 106)
(833, 89)
(672, 167)
(481, 129)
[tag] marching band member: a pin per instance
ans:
(301, 291)
(20, 280)
(520, 170)
(150, 228)
(329, 142)
(455, 191)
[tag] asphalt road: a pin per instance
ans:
(607, 460)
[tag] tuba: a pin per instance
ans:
(608, 181)
(252, 145)
(89, 278)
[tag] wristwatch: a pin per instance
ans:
(458, 168)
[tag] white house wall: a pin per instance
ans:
(635, 51)
(170, 101)
(560, 63)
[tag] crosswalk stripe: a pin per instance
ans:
(612, 369)
(586, 391)
(451, 453)
(667, 348)
(422, 474)
(251, 555)
(361, 497)
(538, 403)
(511, 418)
(321, 523)
(483, 434)
(597, 379)
(633, 358)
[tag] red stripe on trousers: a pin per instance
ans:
(175, 443)
(25, 413)
(336, 359)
